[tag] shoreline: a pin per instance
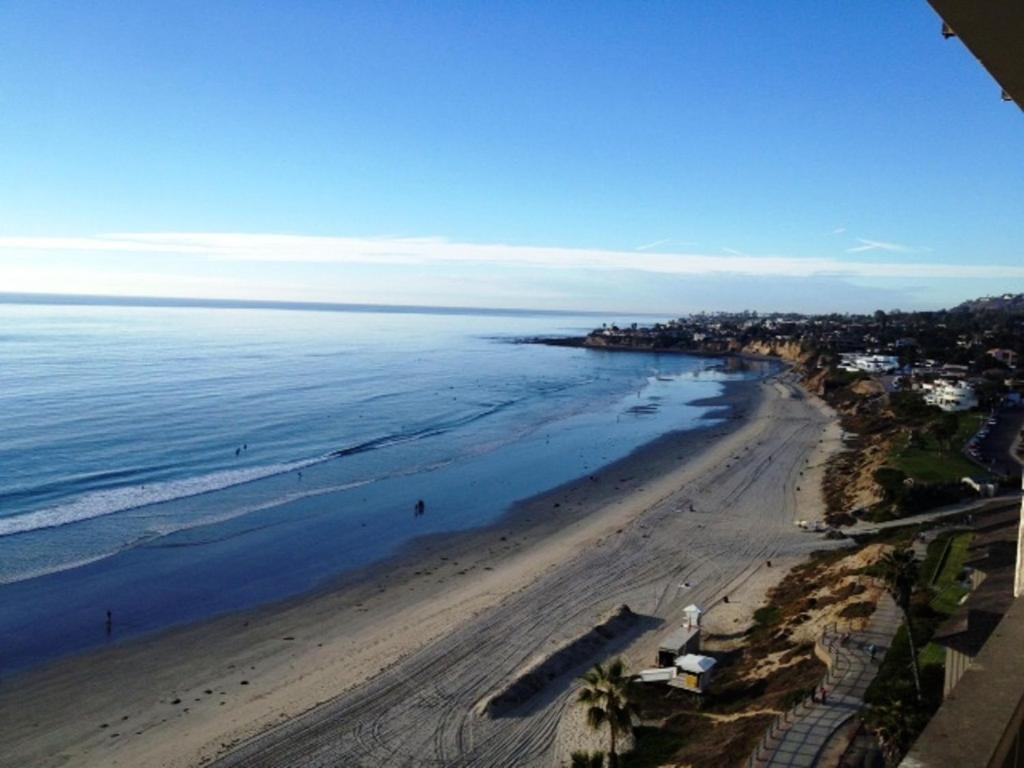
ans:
(211, 561)
(304, 651)
(549, 511)
(526, 513)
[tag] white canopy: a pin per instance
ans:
(695, 664)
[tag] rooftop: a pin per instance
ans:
(694, 663)
(678, 638)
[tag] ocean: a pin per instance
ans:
(172, 463)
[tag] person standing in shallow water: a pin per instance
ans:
(110, 622)
(420, 507)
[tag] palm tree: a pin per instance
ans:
(899, 572)
(607, 701)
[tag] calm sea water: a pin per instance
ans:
(175, 463)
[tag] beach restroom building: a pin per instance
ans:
(695, 672)
(680, 663)
(682, 641)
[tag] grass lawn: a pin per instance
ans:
(970, 423)
(948, 591)
(930, 463)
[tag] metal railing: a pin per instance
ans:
(839, 666)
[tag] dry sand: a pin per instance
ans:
(391, 669)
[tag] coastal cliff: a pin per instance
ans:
(644, 340)
(791, 351)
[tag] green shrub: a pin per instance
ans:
(767, 616)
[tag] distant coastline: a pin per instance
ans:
(584, 342)
(733, 359)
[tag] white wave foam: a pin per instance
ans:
(45, 570)
(108, 502)
(160, 530)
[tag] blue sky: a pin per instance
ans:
(667, 157)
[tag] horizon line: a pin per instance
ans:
(88, 299)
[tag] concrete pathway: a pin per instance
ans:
(965, 507)
(798, 738)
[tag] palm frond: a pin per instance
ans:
(616, 670)
(589, 696)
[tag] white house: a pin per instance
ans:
(950, 395)
(870, 363)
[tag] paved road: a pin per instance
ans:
(997, 451)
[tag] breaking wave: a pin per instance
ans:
(114, 500)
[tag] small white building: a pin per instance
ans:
(684, 640)
(679, 663)
(950, 395)
(695, 672)
(691, 672)
(870, 363)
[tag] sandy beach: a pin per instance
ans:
(398, 665)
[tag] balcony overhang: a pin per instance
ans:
(992, 30)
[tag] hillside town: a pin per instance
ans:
(979, 341)
(901, 381)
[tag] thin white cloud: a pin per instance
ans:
(838, 230)
(425, 251)
(878, 245)
(648, 246)
(732, 251)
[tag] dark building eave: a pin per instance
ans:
(992, 30)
